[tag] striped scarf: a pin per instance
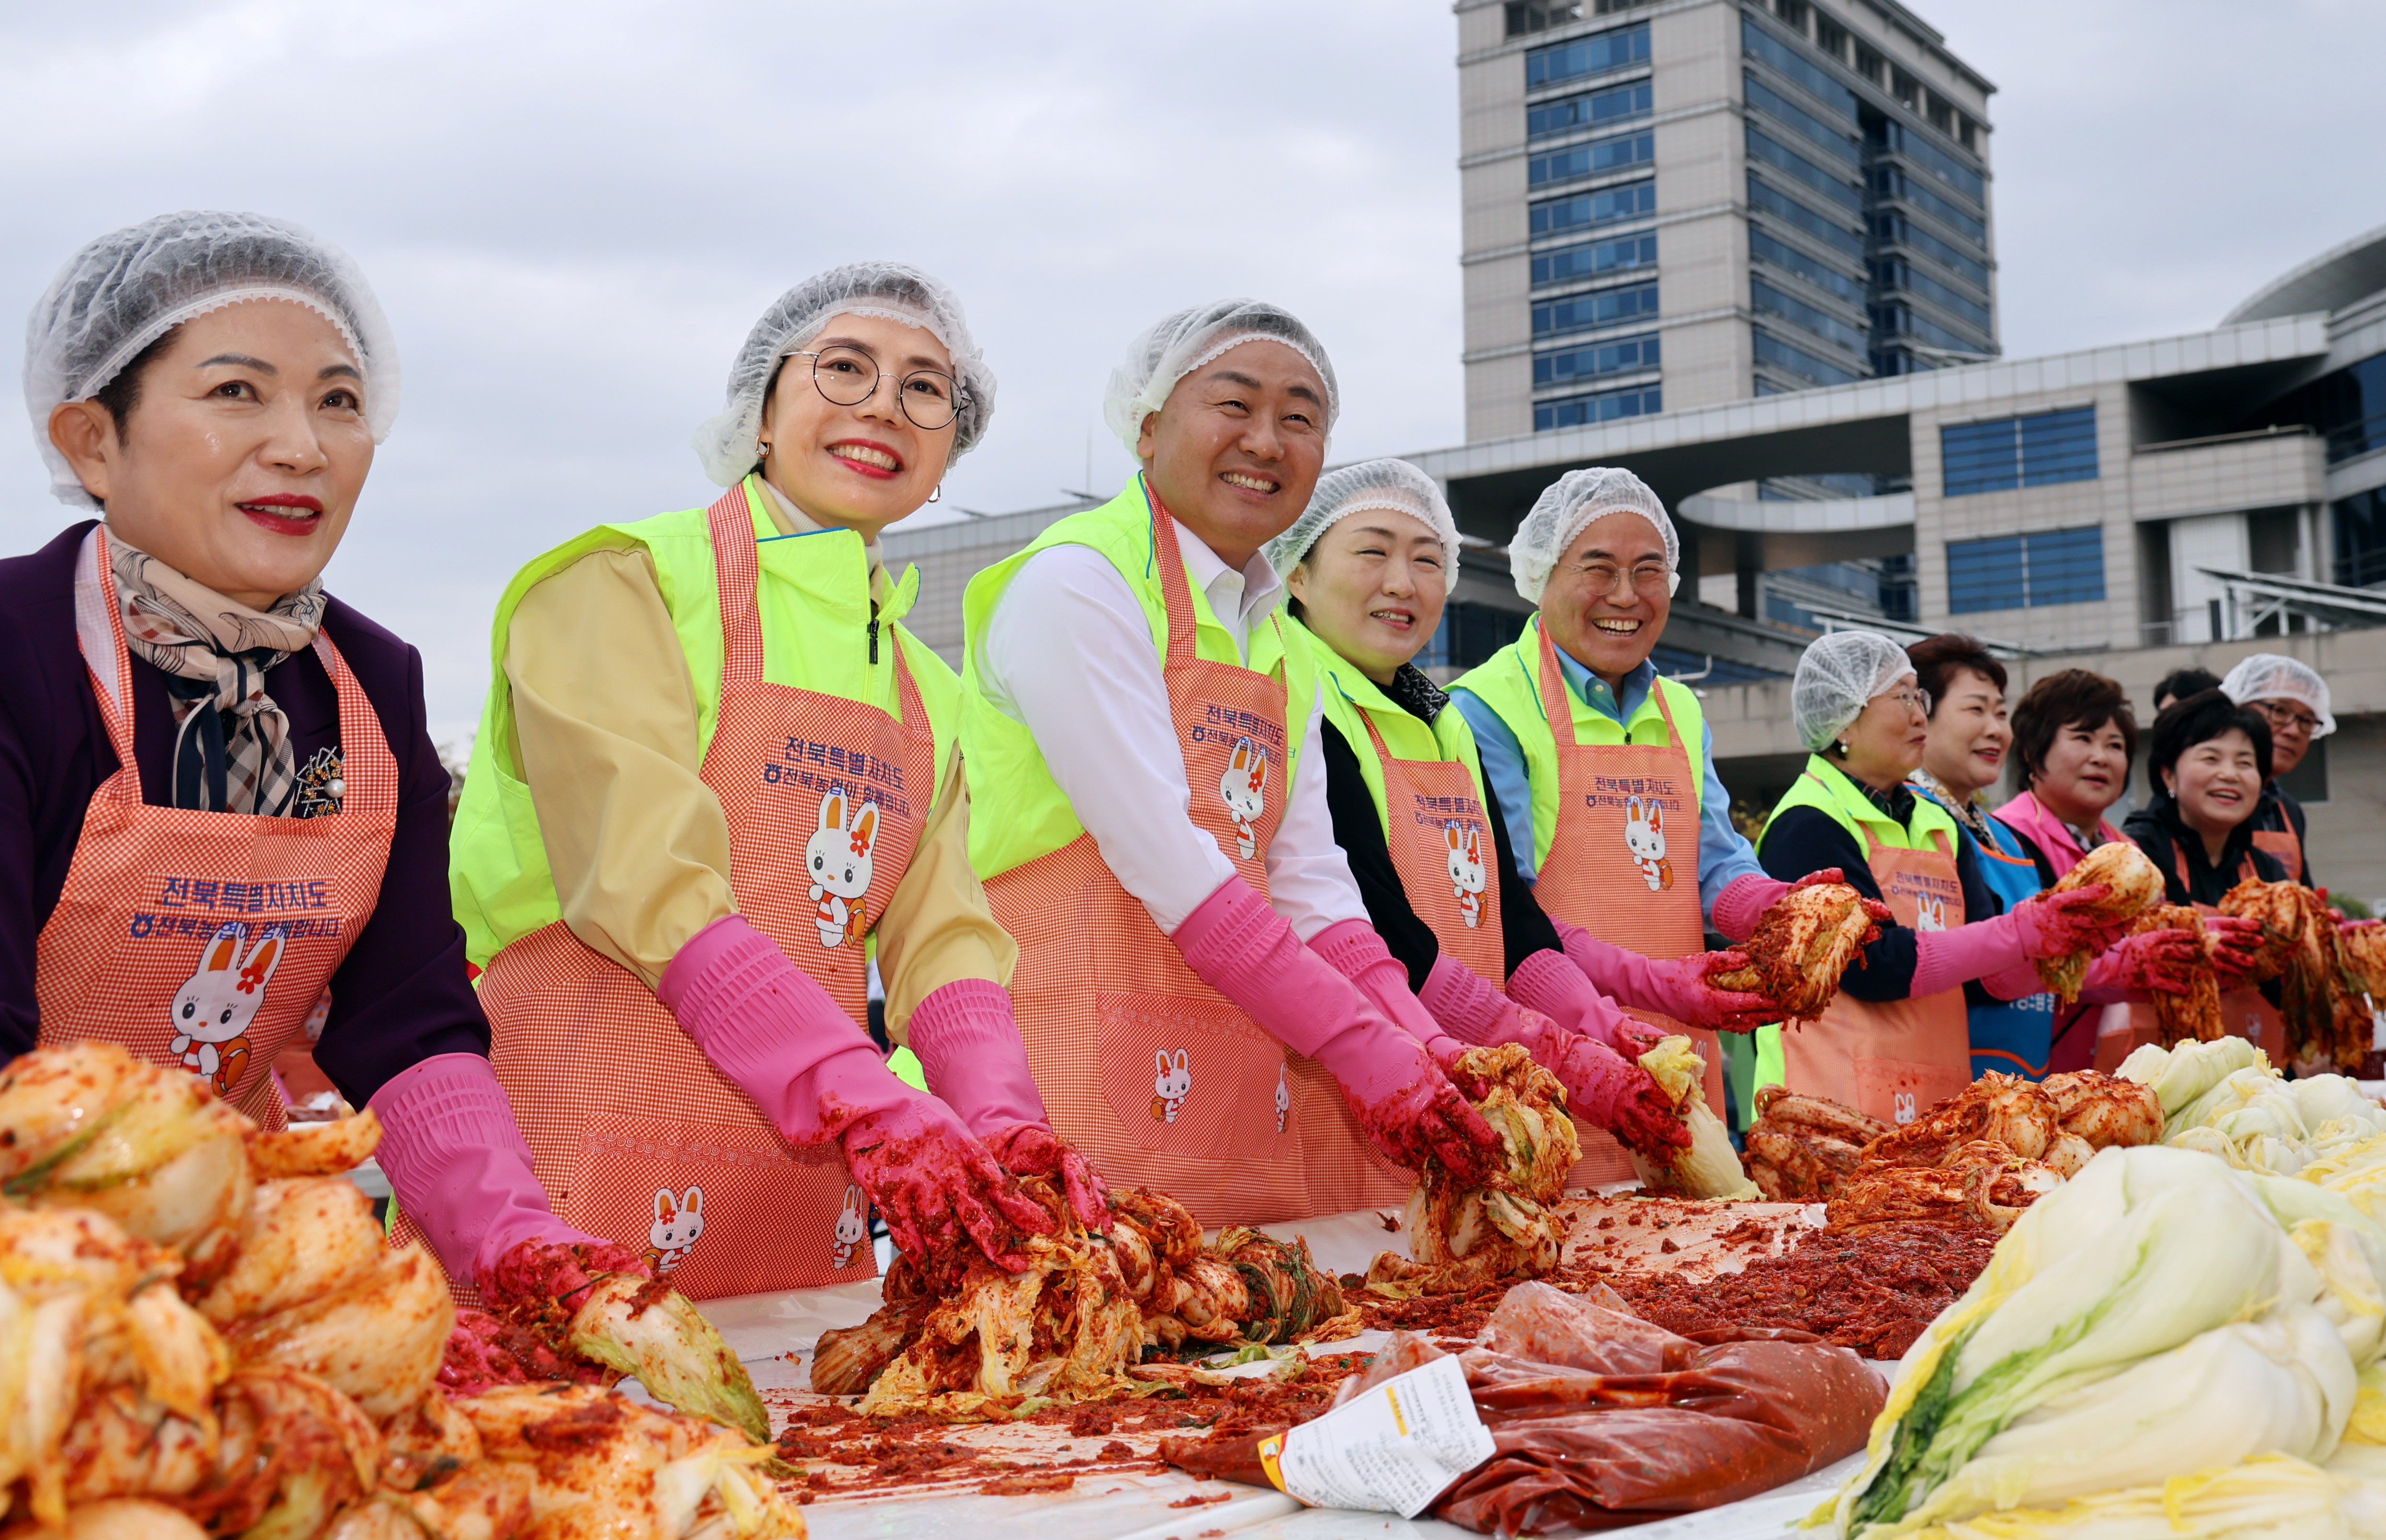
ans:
(232, 743)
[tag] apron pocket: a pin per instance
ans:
(1183, 1075)
(1897, 1091)
(726, 1209)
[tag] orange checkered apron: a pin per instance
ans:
(633, 1133)
(1894, 1060)
(1436, 826)
(2243, 1012)
(203, 939)
(1155, 1075)
(1591, 879)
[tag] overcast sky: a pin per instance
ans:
(573, 213)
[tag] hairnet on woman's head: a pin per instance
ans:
(1837, 675)
(129, 288)
(728, 443)
(1393, 484)
(2268, 676)
(1569, 506)
(1177, 346)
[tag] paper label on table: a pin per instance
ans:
(1391, 1451)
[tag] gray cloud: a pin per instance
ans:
(572, 213)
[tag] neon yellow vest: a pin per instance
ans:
(1351, 699)
(814, 593)
(1826, 788)
(1509, 682)
(1020, 813)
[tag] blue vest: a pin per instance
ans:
(2017, 1036)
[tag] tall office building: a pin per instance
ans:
(1674, 203)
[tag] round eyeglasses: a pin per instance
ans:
(1602, 578)
(2284, 717)
(1913, 698)
(848, 377)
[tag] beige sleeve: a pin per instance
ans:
(608, 742)
(937, 926)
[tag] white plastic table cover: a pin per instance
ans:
(773, 1334)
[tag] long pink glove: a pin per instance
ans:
(1402, 1101)
(1746, 898)
(2157, 962)
(776, 1033)
(969, 1047)
(1999, 950)
(1354, 949)
(2234, 944)
(1549, 984)
(1677, 987)
(1603, 1087)
(460, 1166)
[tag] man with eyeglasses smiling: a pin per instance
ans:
(2294, 698)
(1633, 842)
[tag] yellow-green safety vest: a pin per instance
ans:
(1351, 699)
(1020, 813)
(1509, 682)
(813, 595)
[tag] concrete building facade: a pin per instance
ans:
(1674, 204)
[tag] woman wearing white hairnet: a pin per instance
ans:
(1369, 566)
(1897, 1039)
(2294, 698)
(220, 816)
(718, 777)
(1611, 767)
(1206, 1006)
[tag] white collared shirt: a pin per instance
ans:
(1070, 654)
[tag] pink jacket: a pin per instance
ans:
(2050, 834)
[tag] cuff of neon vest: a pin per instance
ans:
(1743, 902)
(969, 1047)
(1465, 1003)
(1354, 949)
(1242, 948)
(759, 1019)
(458, 1162)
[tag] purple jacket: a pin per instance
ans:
(401, 995)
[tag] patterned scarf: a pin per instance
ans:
(234, 756)
(1414, 692)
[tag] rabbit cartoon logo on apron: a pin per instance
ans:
(1466, 875)
(838, 860)
(1644, 835)
(212, 1011)
(1244, 788)
(852, 1228)
(679, 1219)
(1174, 1084)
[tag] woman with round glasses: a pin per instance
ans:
(1897, 1039)
(717, 779)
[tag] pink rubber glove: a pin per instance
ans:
(1676, 987)
(1994, 950)
(460, 1166)
(2157, 962)
(816, 1076)
(1603, 1088)
(1352, 948)
(1549, 984)
(1746, 898)
(2051, 925)
(1403, 1103)
(2233, 944)
(969, 1047)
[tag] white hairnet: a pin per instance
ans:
(1837, 675)
(127, 289)
(2268, 676)
(1393, 484)
(1174, 347)
(1567, 508)
(893, 291)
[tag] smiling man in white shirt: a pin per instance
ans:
(1207, 1008)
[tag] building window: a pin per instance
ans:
(1895, 229)
(1771, 350)
(1771, 301)
(1831, 38)
(1579, 58)
(1902, 321)
(1890, 182)
(1834, 141)
(1766, 198)
(2348, 407)
(1800, 71)
(1814, 270)
(1591, 110)
(1765, 148)
(1599, 156)
(1891, 273)
(1623, 356)
(2361, 539)
(1469, 635)
(1895, 138)
(1588, 210)
(1535, 16)
(2039, 450)
(1578, 411)
(1556, 317)
(2018, 572)
(1594, 258)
